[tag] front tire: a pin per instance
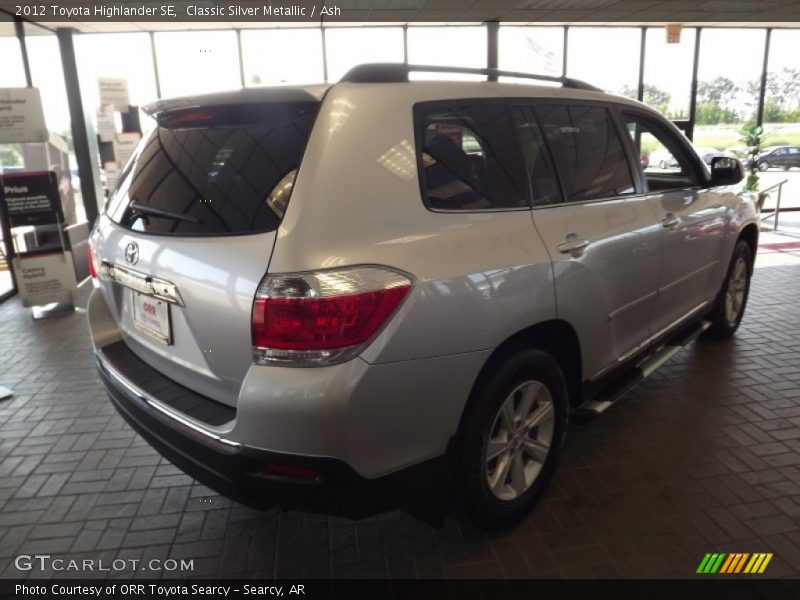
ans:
(732, 299)
(510, 438)
(762, 166)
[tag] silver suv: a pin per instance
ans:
(393, 294)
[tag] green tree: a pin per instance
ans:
(719, 91)
(10, 155)
(781, 95)
(653, 96)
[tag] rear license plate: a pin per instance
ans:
(151, 317)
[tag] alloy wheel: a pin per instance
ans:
(735, 294)
(520, 440)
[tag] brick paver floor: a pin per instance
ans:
(705, 456)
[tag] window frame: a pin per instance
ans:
(619, 127)
(419, 111)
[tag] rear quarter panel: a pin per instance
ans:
(479, 277)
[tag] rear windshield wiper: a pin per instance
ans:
(139, 208)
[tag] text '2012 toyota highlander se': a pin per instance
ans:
(393, 294)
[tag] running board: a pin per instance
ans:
(611, 395)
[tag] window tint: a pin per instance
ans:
(587, 151)
(215, 169)
(666, 165)
(469, 158)
(544, 185)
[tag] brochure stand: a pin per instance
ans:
(43, 265)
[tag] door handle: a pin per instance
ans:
(670, 221)
(573, 245)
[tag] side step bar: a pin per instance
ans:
(608, 397)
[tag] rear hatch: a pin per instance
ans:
(191, 227)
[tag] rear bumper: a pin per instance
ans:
(240, 472)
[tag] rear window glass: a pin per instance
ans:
(211, 171)
(469, 157)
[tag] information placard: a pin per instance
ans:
(21, 116)
(114, 92)
(31, 199)
(45, 278)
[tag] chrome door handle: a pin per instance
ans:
(572, 245)
(670, 221)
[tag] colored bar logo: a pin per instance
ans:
(734, 562)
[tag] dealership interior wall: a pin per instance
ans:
(704, 457)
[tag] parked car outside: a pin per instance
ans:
(394, 294)
(784, 157)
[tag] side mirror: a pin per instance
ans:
(726, 170)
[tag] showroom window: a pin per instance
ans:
(347, 47)
(728, 81)
(185, 54)
(587, 151)
(454, 46)
(668, 72)
(607, 57)
(532, 50)
(13, 72)
(282, 56)
(44, 57)
(782, 98)
(125, 56)
(469, 158)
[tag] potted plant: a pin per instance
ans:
(752, 135)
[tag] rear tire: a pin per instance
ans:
(510, 438)
(732, 299)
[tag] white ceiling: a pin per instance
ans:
(755, 13)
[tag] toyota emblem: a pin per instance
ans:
(132, 253)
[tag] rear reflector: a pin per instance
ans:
(323, 317)
(290, 471)
(90, 257)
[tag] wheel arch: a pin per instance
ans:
(750, 235)
(557, 338)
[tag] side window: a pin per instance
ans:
(666, 166)
(587, 151)
(469, 158)
(536, 157)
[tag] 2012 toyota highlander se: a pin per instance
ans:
(393, 293)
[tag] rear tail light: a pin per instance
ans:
(90, 256)
(323, 317)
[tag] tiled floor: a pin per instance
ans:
(705, 456)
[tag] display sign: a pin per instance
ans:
(45, 278)
(21, 116)
(112, 174)
(31, 199)
(106, 125)
(124, 145)
(114, 92)
(674, 33)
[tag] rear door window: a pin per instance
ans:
(469, 157)
(587, 151)
(214, 171)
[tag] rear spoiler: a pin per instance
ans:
(245, 96)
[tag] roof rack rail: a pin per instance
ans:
(398, 72)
